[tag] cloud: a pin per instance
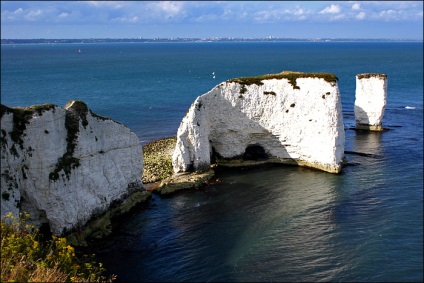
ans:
(18, 11)
(170, 7)
(356, 6)
(206, 12)
(13, 15)
(133, 19)
(63, 15)
(33, 15)
(273, 15)
(333, 9)
(167, 9)
(361, 16)
(390, 15)
(106, 4)
(298, 12)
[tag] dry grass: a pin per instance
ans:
(22, 271)
(26, 257)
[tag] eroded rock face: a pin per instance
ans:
(65, 166)
(370, 101)
(287, 117)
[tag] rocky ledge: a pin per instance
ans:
(158, 174)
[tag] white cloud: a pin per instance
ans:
(333, 9)
(18, 11)
(12, 15)
(336, 17)
(170, 8)
(389, 15)
(207, 12)
(298, 12)
(107, 4)
(133, 19)
(33, 15)
(272, 15)
(206, 18)
(163, 11)
(356, 6)
(361, 16)
(63, 15)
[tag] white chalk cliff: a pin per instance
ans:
(370, 101)
(287, 117)
(67, 165)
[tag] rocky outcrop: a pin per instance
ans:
(66, 166)
(293, 118)
(370, 101)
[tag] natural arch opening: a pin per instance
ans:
(255, 152)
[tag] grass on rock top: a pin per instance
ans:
(289, 75)
(372, 75)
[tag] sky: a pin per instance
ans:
(207, 19)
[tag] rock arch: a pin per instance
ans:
(255, 152)
(295, 117)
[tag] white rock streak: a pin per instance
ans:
(370, 101)
(110, 167)
(303, 125)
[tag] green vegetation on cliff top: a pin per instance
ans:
(289, 75)
(371, 75)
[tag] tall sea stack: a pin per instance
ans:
(290, 117)
(370, 101)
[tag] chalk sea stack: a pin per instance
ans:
(289, 117)
(370, 101)
(66, 166)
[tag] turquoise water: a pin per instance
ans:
(263, 224)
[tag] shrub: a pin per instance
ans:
(27, 257)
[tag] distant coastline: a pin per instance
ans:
(178, 39)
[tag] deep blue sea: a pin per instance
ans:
(263, 224)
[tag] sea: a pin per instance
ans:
(265, 224)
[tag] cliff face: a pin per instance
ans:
(288, 117)
(370, 101)
(67, 165)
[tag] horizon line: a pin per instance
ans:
(214, 38)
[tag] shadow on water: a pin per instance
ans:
(277, 221)
(290, 223)
(368, 142)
